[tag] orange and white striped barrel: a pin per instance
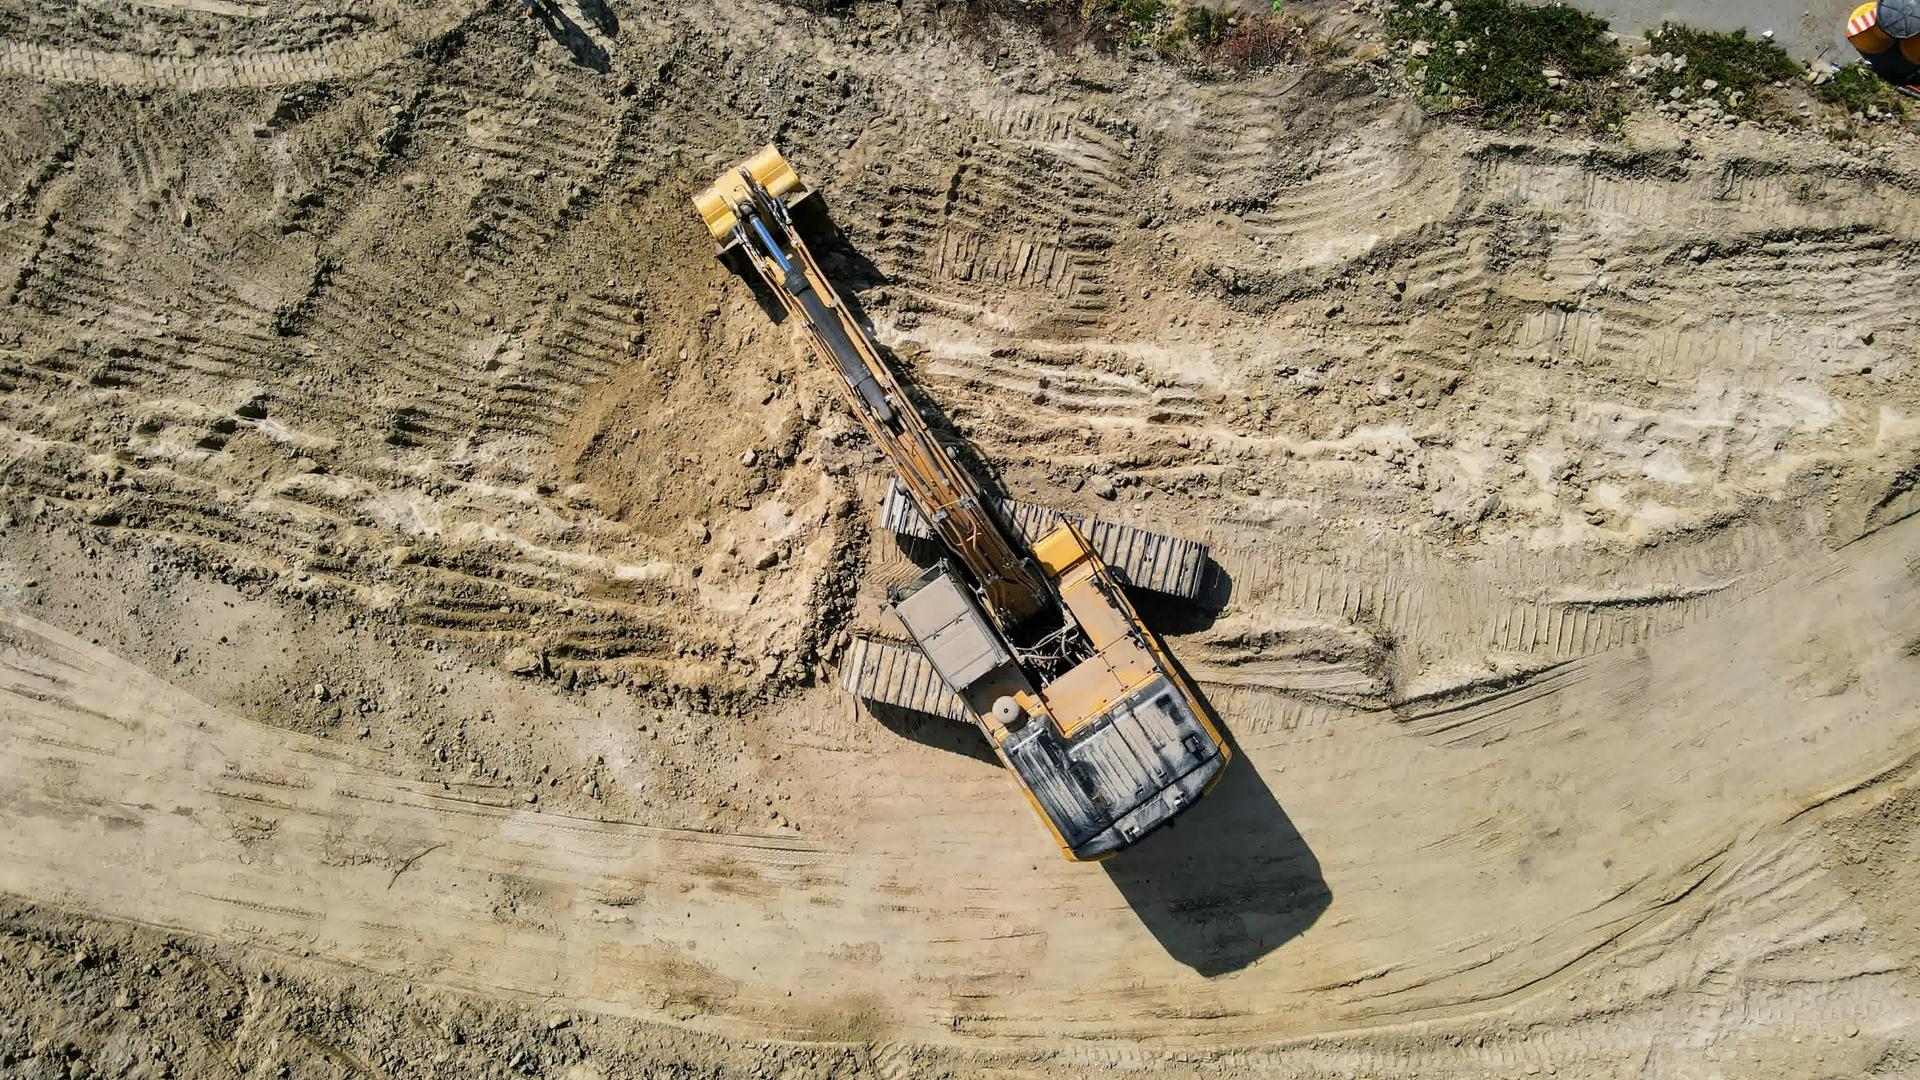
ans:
(1863, 29)
(1894, 57)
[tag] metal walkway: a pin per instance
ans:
(1144, 560)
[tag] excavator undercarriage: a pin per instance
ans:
(1022, 626)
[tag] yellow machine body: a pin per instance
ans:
(1128, 659)
(717, 200)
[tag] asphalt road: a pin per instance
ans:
(1808, 28)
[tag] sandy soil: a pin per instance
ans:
(424, 569)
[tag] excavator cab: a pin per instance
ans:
(1109, 748)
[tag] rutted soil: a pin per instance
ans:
(425, 569)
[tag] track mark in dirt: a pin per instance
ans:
(408, 865)
(883, 889)
(214, 64)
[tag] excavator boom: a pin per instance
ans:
(761, 227)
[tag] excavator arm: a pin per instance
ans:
(759, 224)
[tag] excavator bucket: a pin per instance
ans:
(716, 202)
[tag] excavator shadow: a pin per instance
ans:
(1229, 881)
(579, 45)
(602, 16)
(1174, 615)
(938, 732)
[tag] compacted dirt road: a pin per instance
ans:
(425, 570)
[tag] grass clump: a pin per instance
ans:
(1135, 19)
(1238, 43)
(1509, 62)
(1205, 27)
(1731, 70)
(1180, 32)
(1203, 36)
(1261, 41)
(1858, 89)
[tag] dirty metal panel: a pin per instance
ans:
(1140, 746)
(1142, 559)
(952, 631)
(1083, 693)
(1040, 762)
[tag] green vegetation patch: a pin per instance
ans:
(1857, 88)
(1205, 27)
(1238, 42)
(1197, 33)
(1732, 70)
(1136, 20)
(1511, 63)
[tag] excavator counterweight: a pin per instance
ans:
(1035, 640)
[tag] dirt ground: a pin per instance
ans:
(423, 568)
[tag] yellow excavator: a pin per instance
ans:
(1022, 627)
